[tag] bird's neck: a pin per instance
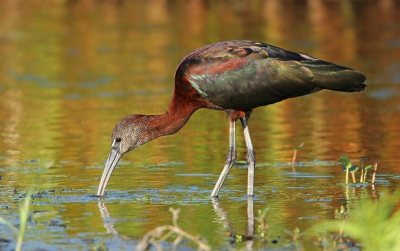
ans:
(185, 101)
(168, 123)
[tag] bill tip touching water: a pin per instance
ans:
(235, 77)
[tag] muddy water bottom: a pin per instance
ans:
(76, 219)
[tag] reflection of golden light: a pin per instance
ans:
(12, 108)
(157, 37)
(273, 11)
(386, 4)
(13, 105)
(196, 12)
(332, 24)
(157, 12)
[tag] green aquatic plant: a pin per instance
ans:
(262, 223)
(295, 152)
(265, 230)
(295, 234)
(353, 176)
(364, 170)
(23, 214)
(23, 219)
(329, 241)
(374, 224)
(100, 247)
(346, 165)
(374, 174)
(362, 160)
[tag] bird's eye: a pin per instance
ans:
(118, 140)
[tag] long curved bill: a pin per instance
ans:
(108, 169)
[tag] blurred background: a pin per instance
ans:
(70, 69)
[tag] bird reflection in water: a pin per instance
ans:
(222, 217)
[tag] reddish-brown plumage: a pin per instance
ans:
(218, 67)
(234, 115)
(184, 93)
(236, 77)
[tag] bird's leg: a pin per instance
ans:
(250, 157)
(250, 216)
(230, 159)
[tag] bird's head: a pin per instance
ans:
(127, 135)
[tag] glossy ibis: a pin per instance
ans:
(235, 77)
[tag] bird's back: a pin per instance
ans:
(242, 75)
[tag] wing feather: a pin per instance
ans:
(245, 74)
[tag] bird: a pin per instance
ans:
(235, 77)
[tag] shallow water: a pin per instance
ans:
(70, 71)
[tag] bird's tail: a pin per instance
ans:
(356, 88)
(335, 77)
